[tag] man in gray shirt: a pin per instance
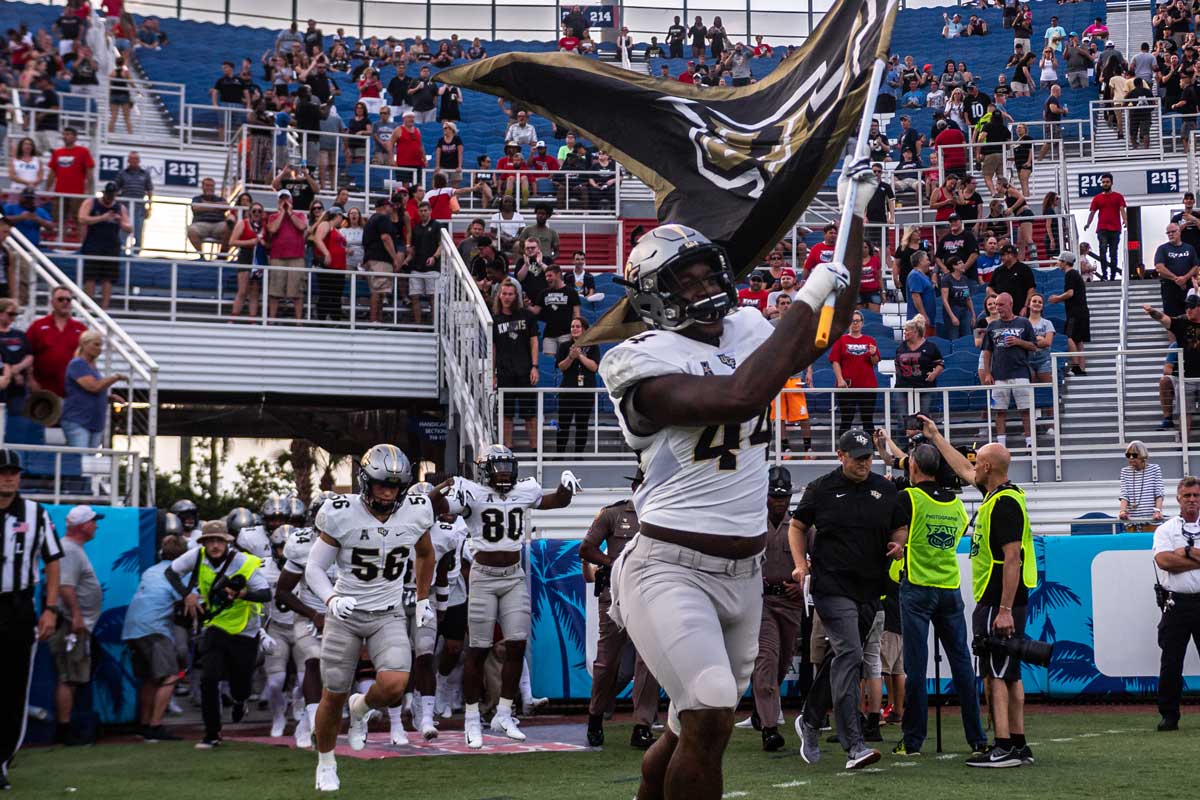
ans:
(1079, 61)
(1144, 65)
(135, 183)
(1007, 344)
(739, 65)
(80, 601)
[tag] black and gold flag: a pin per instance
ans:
(737, 164)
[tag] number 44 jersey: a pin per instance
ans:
(707, 479)
(496, 521)
(372, 555)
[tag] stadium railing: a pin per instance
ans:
(1111, 128)
(465, 353)
(37, 276)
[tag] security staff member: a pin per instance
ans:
(930, 592)
(615, 526)
(1176, 553)
(230, 615)
(1003, 570)
(26, 535)
(858, 529)
(782, 614)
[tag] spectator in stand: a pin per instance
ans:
(1186, 330)
(754, 296)
(515, 345)
(881, 210)
(476, 51)
(1140, 100)
(1022, 156)
(1052, 113)
(208, 218)
(52, 342)
(285, 39)
(906, 176)
(943, 198)
(579, 278)
(1047, 69)
(425, 263)
(1074, 298)
(1022, 28)
(448, 154)
(853, 358)
(870, 287)
(71, 174)
(85, 406)
(359, 128)
(1110, 206)
(543, 161)
(918, 365)
(953, 27)
(959, 242)
(578, 366)
(313, 37)
(822, 251)
(1054, 36)
(287, 230)
(29, 218)
(761, 48)
(988, 261)
(507, 223)
(423, 96)
(521, 132)
(14, 354)
(442, 199)
(384, 254)
(957, 305)
(1079, 63)
(1007, 346)
(249, 237)
(408, 151)
(135, 184)
(80, 600)
(149, 34)
(919, 289)
(329, 256)
(26, 169)
(910, 245)
(381, 137)
(513, 180)
(1043, 330)
(787, 287)
(1097, 30)
(1142, 492)
(554, 306)
(1188, 221)
(352, 232)
(602, 186)
(546, 236)
(1176, 263)
(1014, 277)
(102, 219)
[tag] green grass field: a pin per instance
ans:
(1093, 753)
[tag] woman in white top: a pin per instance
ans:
(954, 109)
(1141, 489)
(25, 168)
(352, 232)
(1049, 67)
(507, 222)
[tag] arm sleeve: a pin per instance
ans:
(316, 572)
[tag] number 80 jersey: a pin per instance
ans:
(372, 555)
(496, 521)
(706, 479)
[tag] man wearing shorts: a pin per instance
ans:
(494, 511)
(1074, 297)
(1007, 345)
(384, 254)
(208, 218)
(425, 264)
(286, 229)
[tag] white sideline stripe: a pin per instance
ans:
(1065, 739)
(905, 764)
(789, 785)
(947, 756)
(735, 794)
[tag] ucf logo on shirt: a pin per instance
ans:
(513, 328)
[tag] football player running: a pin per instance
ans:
(279, 630)
(495, 515)
(692, 397)
(371, 537)
(256, 539)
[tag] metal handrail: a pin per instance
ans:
(114, 455)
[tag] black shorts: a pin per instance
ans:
(98, 270)
(1079, 329)
(153, 657)
(453, 626)
(517, 404)
(1003, 667)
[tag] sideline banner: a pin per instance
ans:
(1094, 601)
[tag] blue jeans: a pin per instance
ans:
(79, 436)
(920, 605)
(948, 331)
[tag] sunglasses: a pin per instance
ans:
(1132, 456)
(62, 299)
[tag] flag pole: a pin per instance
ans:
(862, 149)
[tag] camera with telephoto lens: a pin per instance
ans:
(218, 598)
(1030, 651)
(946, 477)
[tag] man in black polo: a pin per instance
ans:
(1014, 277)
(958, 241)
(858, 530)
(425, 264)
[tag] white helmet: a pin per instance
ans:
(654, 290)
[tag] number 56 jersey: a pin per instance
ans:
(496, 522)
(372, 555)
(707, 479)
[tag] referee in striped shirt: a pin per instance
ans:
(26, 537)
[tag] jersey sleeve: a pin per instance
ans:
(635, 360)
(424, 517)
(528, 492)
(296, 548)
(329, 521)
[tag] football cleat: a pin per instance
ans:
(399, 736)
(357, 732)
(509, 726)
(278, 725)
(327, 778)
(303, 734)
(473, 731)
(428, 730)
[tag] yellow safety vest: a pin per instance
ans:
(236, 616)
(933, 534)
(982, 563)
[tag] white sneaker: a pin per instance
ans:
(531, 703)
(278, 725)
(508, 725)
(173, 707)
(473, 729)
(782, 719)
(357, 733)
(428, 730)
(327, 778)
(303, 733)
(748, 722)
(447, 712)
(399, 735)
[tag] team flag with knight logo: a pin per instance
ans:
(737, 164)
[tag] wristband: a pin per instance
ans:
(1006, 608)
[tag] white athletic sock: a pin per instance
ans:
(471, 710)
(1002, 440)
(1028, 441)
(427, 704)
(311, 711)
(525, 685)
(274, 692)
(504, 706)
(298, 695)
(327, 759)
(396, 718)
(358, 705)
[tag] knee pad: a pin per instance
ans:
(715, 687)
(276, 679)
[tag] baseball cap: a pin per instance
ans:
(383, 201)
(1193, 301)
(284, 193)
(1109, 44)
(787, 271)
(1008, 248)
(540, 144)
(79, 515)
(1067, 256)
(215, 529)
(855, 443)
(9, 459)
(779, 482)
(756, 276)
(953, 218)
(110, 188)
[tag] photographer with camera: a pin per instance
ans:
(1003, 570)
(1178, 596)
(929, 592)
(224, 593)
(615, 525)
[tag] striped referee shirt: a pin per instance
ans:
(27, 532)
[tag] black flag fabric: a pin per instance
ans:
(738, 164)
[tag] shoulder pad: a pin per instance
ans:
(296, 548)
(647, 355)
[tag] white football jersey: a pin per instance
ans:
(277, 612)
(707, 479)
(496, 522)
(255, 541)
(373, 555)
(295, 550)
(446, 537)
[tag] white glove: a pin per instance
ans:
(342, 607)
(825, 279)
(859, 172)
(266, 643)
(569, 482)
(426, 616)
